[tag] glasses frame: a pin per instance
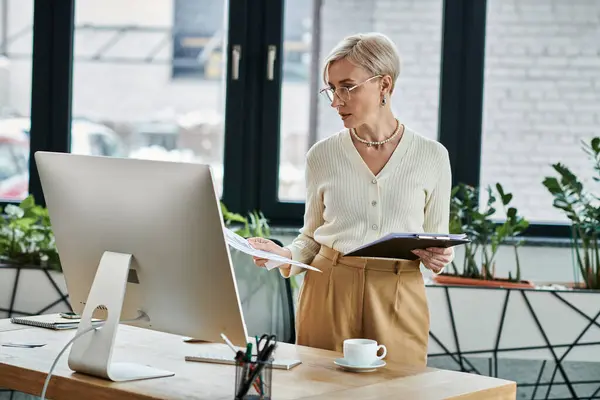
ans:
(326, 90)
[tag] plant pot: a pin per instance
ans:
(31, 290)
(447, 279)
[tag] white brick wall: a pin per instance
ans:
(542, 82)
(415, 26)
(541, 97)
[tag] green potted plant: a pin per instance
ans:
(29, 260)
(26, 236)
(255, 225)
(582, 208)
(478, 264)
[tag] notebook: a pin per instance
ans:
(399, 245)
(50, 321)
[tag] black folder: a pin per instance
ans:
(399, 245)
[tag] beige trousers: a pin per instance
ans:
(354, 297)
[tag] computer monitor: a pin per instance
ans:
(140, 236)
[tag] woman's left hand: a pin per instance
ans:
(435, 258)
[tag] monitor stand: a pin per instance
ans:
(91, 354)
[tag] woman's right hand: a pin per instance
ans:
(270, 246)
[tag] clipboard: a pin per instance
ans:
(398, 246)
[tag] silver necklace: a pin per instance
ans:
(369, 143)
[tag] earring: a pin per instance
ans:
(384, 100)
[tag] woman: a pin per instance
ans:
(374, 177)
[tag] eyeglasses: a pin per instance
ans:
(343, 93)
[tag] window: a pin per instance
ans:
(295, 99)
(13, 161)
(541, 98)
(198, 39)
(16, 45)
(126, 100)
(187, 79)
(415, 27)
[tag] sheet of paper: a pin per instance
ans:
(275, 260)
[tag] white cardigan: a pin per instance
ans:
(348, 206)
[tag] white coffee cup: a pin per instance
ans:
(362, 351)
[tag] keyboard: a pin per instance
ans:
(219, 358)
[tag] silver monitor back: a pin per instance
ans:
(168, 216)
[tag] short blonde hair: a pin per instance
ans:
(374, 52)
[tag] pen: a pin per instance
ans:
(231, 346)
(239, 355)
(260, 376)
(249, 352)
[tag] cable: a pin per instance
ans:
(142, 317)
(43, 396)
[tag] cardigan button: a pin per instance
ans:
(374, 181)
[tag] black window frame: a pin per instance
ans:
(52, 69)
(252, 137)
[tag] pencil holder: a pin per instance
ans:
(253, 380)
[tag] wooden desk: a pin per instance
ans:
(25, 370)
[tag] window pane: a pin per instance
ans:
(416, 28)
(542, 96)
(295, 98)
(148, 80)
(15, 97)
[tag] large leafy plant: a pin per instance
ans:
(466, 216)
(26, 236)
(582, 208)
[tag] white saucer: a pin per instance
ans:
(340, 362)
